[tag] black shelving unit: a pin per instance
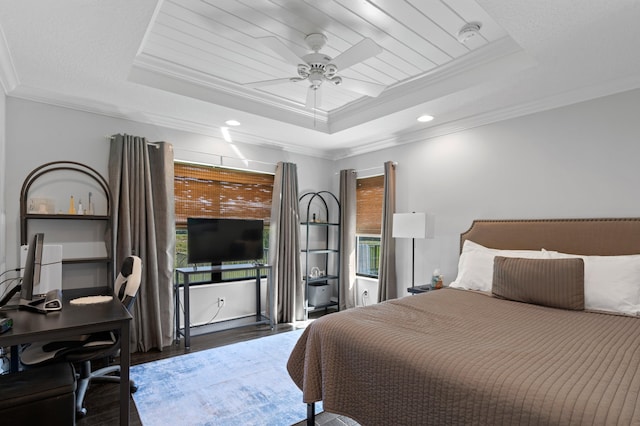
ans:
(26, 216)
(320, 249)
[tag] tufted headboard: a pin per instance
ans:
(612, 236)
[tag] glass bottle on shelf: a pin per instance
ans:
(72, 206)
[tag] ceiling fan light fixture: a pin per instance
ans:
(335, 80)
(315, 78)
(330, 70)
(316, 41)
(316, 67)
(469, 30)
(303, 70)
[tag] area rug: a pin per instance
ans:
(241, 384)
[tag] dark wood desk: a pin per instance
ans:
(74, 320)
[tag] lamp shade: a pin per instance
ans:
(409, 225)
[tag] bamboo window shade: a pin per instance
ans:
(369, 195)
(216, 192)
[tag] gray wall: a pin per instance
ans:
(3, 263)
(37, 133)
(576, 161)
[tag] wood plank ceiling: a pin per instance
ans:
(218, 43)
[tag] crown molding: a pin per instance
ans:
(93, 107)
(238, 135)
(175, 78)
(496, 58)
(42, 96)
(564, 99)
(567, 98)
(8, 76)
(503, 57)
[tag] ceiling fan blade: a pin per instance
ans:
(362, 87)
(314, 98)
(357, 53)
(282, 50)
(269, 82)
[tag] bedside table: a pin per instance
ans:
(420, 289)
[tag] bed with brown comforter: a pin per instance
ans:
(453, 357)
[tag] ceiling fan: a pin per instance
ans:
(317, 67)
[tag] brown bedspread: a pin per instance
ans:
(453, 357)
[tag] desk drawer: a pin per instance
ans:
(42, 395)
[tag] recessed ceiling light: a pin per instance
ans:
(425, 118)
(232, 123)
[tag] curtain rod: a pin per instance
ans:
(153, 144)
(234, 167)
(222, 157)
(395, 163)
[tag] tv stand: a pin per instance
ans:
(182, 280)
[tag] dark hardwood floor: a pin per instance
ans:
(102, 399)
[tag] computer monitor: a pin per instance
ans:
(32, 267)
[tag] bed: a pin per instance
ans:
(466, 355)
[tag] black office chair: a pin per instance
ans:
(87, 348)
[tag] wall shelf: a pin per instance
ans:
(87, 174)
(87, 260)
(59, 216)
(320, 248)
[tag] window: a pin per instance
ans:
(216, 192)
(367, 255)
(369, 196)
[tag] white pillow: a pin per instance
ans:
(611, 283)
(475, 267)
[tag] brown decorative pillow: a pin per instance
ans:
(557, 283)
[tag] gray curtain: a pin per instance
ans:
(141, 181)
(284, 245)
(347, 239)
(387, 280)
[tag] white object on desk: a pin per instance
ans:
(89, 300)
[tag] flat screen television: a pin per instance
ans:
(224, 240)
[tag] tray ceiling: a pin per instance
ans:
(186, 64)
(220, 45)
